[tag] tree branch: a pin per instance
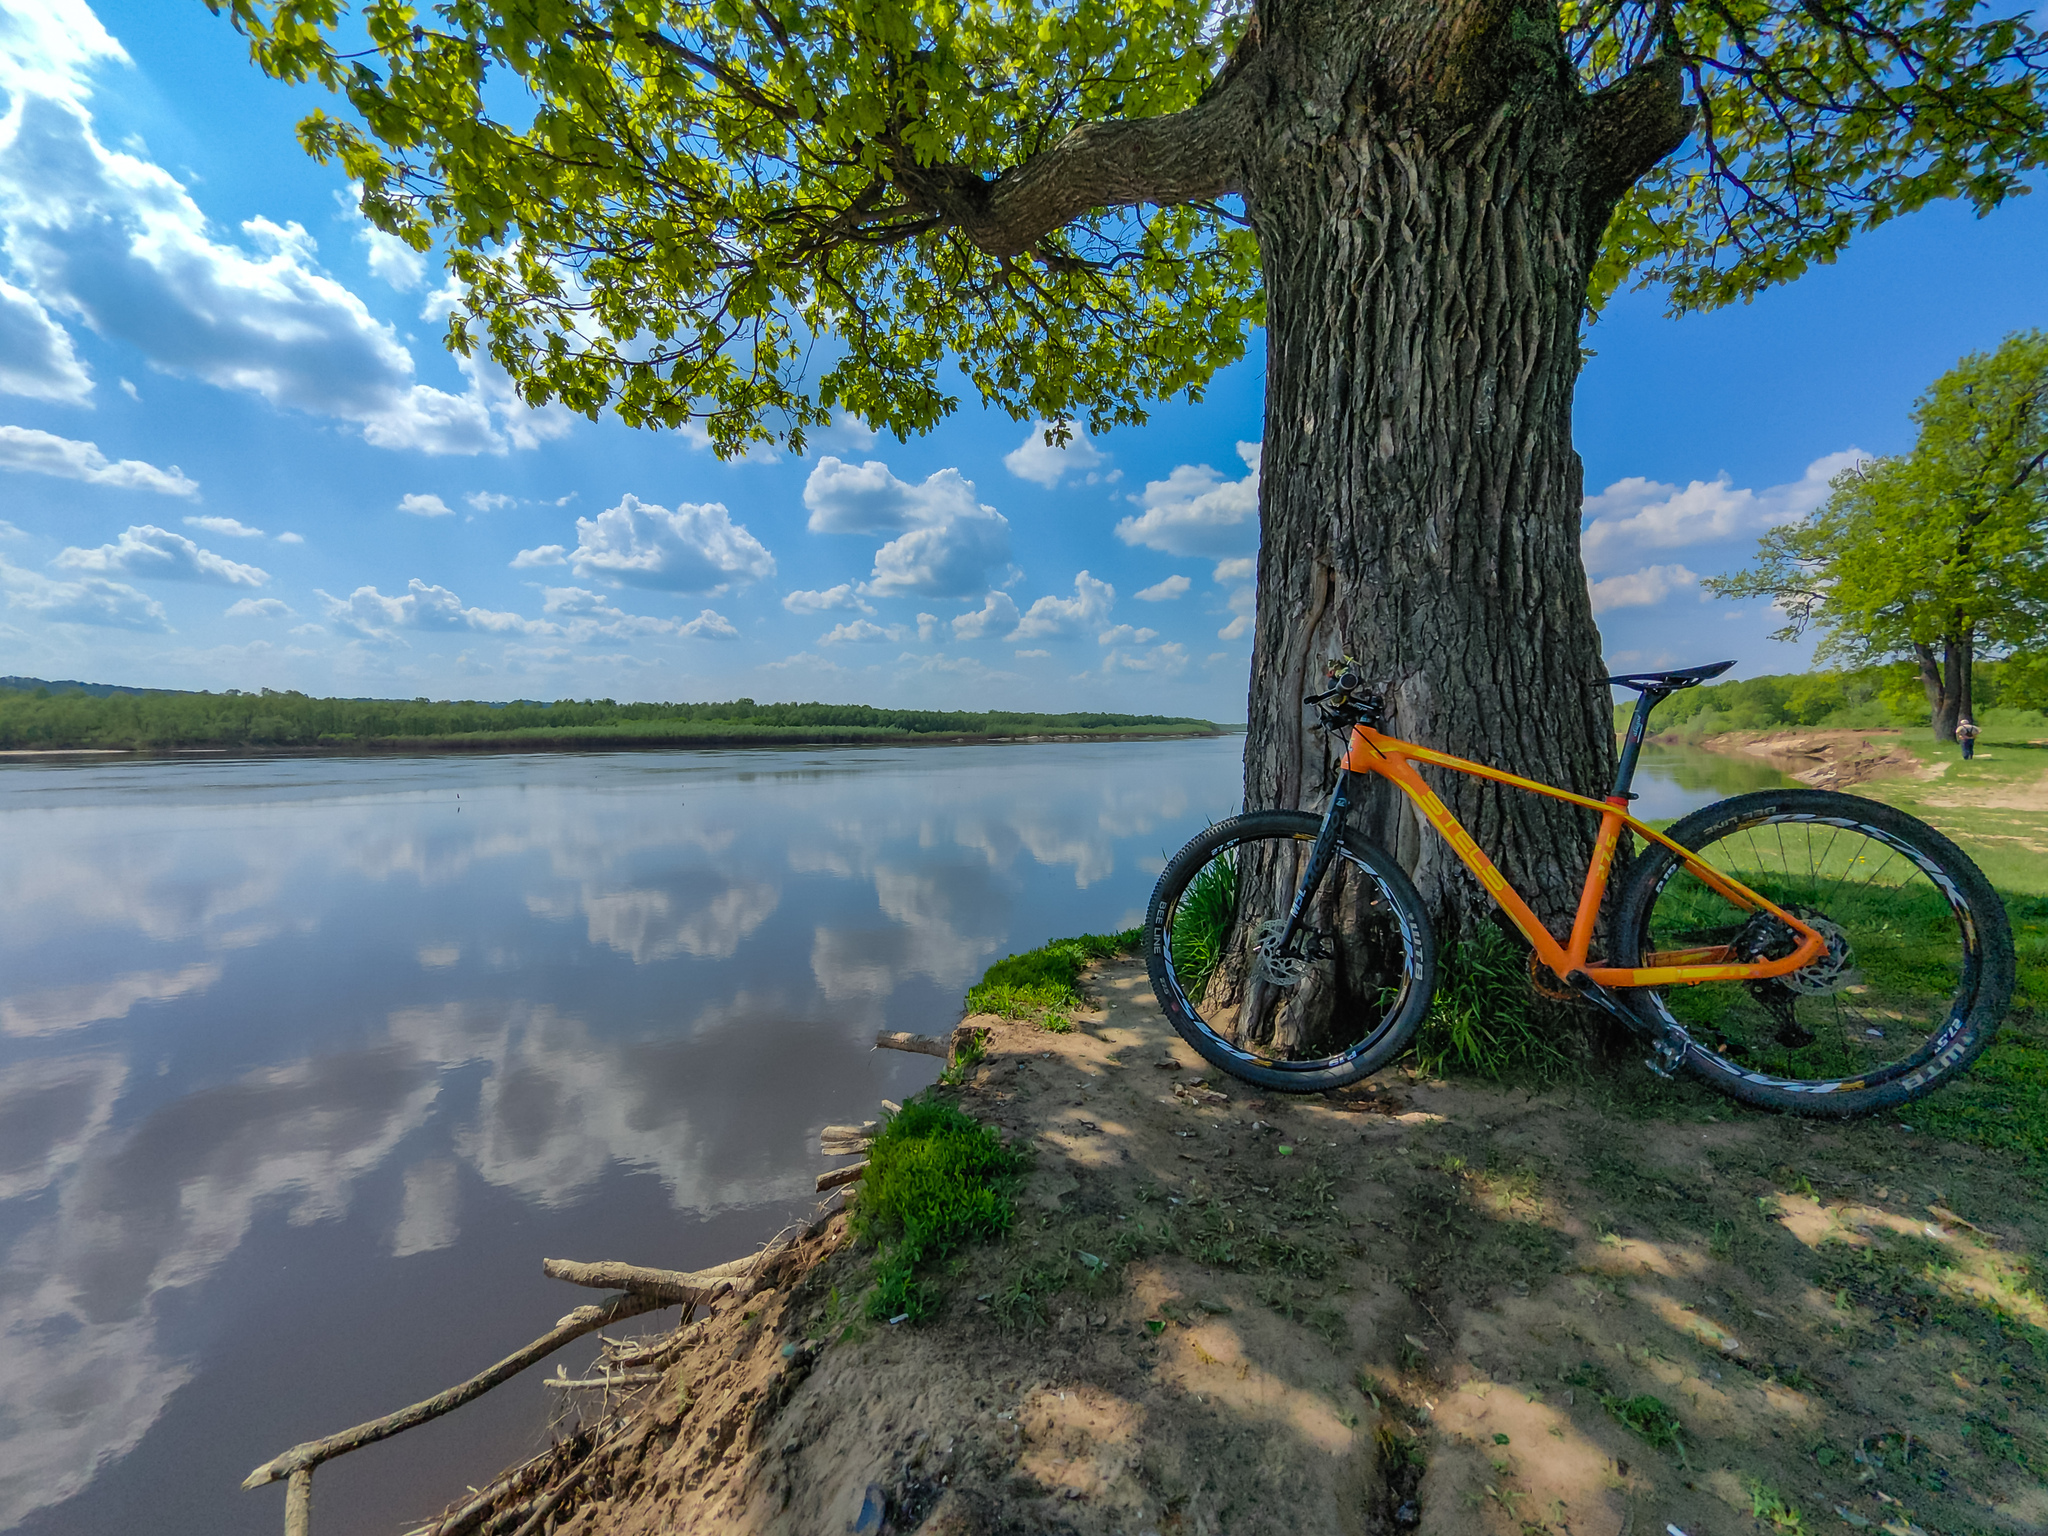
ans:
(1183, 157)
(1635, 123)
(303, 1458)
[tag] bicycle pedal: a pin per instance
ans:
(1666, 1057)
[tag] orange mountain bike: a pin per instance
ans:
(1806, 951)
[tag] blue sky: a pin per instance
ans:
(233, 452)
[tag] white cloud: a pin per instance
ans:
(94, 600)
(391, 259)
(939, 664)
(852, 431)
(1244, 568)
(949, 540)
(368, 613)
(998, 613)
(424, 506)
(488, 501)
(1168, 660)
(696, 548)
(1243, 604)
(1027, 655)
(867, 498)
(928, 627)
(291, 538)
(259, 608)
(1165, 591)
(1639, 589)
(697, 435)
(225, 527)
(9, 531)
(592, 616)
(150, 551)
(808, 661)
(547, 554)
(710, 626)
(1195, 511)
(1037, 460)
(51, 48)
(863, 632)
(1636, 515)
(43, 453)
(841, 596)
(36, 355)
(952, 560)
(106, 237)
(1123, 634)
(1051, 616)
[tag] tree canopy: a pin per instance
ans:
(761, 212)
(1943, 548)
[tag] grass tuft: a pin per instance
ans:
(1484, 1018)
(1042, 984)
(1201, 923)
(1769, 1506)
(1647, 1416)
(937, 1178)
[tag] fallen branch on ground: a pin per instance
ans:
(845, 1140)
(835, 1177)
(305, 1457)
(940, 1046)
(675, 1287)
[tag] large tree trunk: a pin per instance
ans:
(1426, 257)
(1946, 682)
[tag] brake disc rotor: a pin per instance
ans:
(1278, 969)
(1832, 971)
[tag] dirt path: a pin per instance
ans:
(1424, 1307)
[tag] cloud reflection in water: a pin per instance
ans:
(245, 999)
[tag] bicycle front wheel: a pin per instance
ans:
(1346, 997)
(1917, 975)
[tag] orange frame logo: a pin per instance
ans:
(1392, 759)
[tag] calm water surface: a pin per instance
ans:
(306, 1064)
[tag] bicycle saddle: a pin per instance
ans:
(1669, 682)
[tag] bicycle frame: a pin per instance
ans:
(1371, 753)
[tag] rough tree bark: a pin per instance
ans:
(1947, 681)
(1429, 187)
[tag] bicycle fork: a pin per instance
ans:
(1276, 962)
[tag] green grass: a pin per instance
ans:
(1201, 923)
(1647, 1416)
(1042, 984)
(1485, 1018)
(2002, 1102)
(937, 1179)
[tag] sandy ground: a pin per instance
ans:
(1828, 759)
(1417, 1307)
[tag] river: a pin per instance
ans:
(305, 1064)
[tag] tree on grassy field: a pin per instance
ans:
(760, 212)
(1940, 554)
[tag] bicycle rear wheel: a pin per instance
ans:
(1344, 1004)
(1918, 973)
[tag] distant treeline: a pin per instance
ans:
(1863, 699)
(44, 717)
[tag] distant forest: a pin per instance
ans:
(1865, 698)
(34, 714)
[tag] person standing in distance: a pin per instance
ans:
(1966, 733)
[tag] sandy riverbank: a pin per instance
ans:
(1823, 759)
